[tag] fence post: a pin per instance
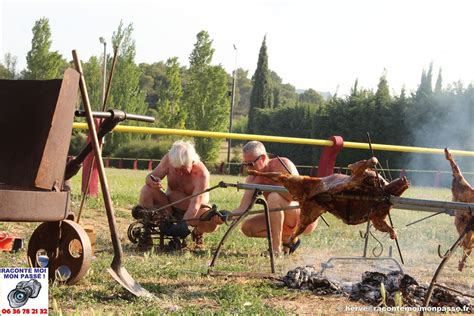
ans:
(150, 165)
(135, 164)
(120, 163)
(107, 162)
(86, 167)
(327, 160)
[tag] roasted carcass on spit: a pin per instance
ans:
(363, 188)
(462, 192)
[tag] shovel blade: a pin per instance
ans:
(121, 275)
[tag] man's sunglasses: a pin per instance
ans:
(251, 163)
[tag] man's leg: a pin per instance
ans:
(199, 227)
(256, 226)
(150, 197)
(203, 227)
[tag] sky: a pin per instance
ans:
(323, 45)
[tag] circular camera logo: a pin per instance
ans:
(23, 291)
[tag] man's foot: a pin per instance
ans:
(198, 240)
(145, 243)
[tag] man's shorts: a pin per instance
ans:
(179, 213)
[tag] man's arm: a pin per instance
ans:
(246, 198)
(201, 184)
(153, 179)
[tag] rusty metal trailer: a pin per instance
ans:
(35, 132)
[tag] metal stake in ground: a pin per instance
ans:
(381, 188)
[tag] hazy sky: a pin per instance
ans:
(311, 44)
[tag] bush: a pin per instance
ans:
(145, 149)
(78, 142)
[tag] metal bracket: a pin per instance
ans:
(255, 200)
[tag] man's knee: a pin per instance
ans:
(274, 199)
(146, 196)
(311, 227)
(247, 229)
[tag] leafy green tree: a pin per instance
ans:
(283, 94)
(152, 82)
(93, 75)
(287, 121)
(261, 96)
(5, 73)
(206, 96)
(310, 96)
(8, 69)
(243, 88)
(125, 92)
(41, 63)
(170, 112)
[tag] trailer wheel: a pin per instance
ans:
(62, 247)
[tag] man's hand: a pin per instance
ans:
(215, 216)
(219, 220)
(153, 181)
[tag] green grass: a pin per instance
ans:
(177, 281)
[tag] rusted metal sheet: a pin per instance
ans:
(35, 130)
(33, 206)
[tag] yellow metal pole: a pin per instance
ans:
(276, 139)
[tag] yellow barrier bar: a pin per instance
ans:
(275, 139)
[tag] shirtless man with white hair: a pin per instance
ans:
(282, 223)
(186, 175)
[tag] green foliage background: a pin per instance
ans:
(198, 97)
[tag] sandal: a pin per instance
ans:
(292, 247)
(198, 240)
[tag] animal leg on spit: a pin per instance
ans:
(359, 168)
(462, 262)
(381, 224)
(310, 212)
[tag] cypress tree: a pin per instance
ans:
(439, 83)
(261, 95)
(425, 89)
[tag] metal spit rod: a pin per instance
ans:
(397, 202)
(429, 205)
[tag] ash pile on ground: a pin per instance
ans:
(368, 290)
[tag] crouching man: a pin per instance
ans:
(186, 175)
(282, 223)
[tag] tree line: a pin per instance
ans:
(198, 97)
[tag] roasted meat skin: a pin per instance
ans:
(312, 194)
(462, 192)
